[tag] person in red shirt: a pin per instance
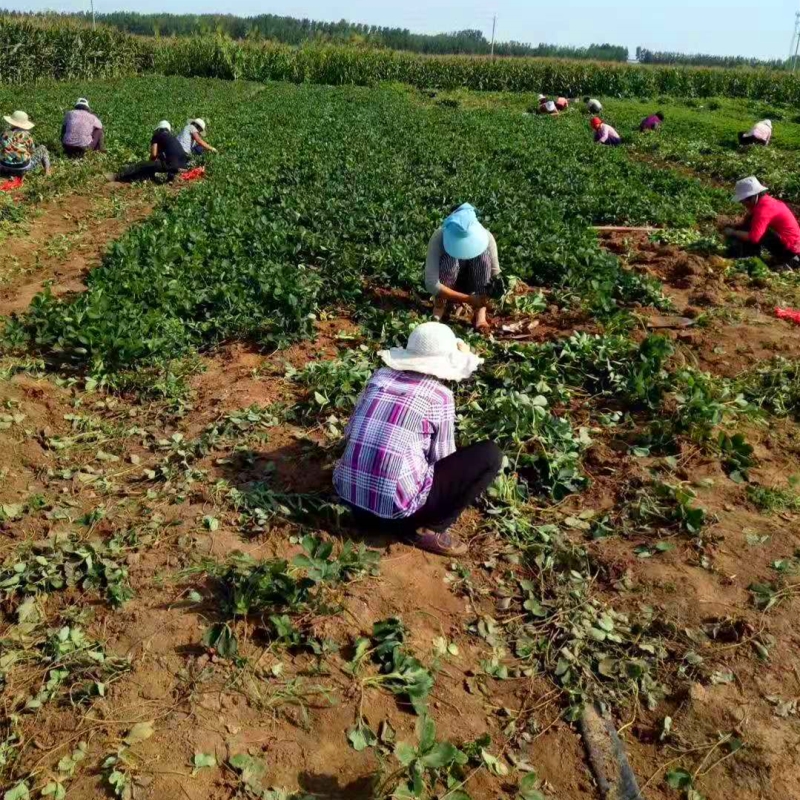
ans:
(769, 224)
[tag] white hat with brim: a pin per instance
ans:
(433, 349)
(19, 119)
(164, 125)
(200, 123)
(82, 102)
(747, 188)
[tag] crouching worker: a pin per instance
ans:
(166, 157)
(401, 471)
(462, 261)
(547, 107)
(652, 123)
(81, 131)
(760, 133)
(19, 154)
(192, 141)
(769, 223)
(604, 133)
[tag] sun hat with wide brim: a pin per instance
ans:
(163, 125)
(19, 119)
(433, 349)
(747, 188)
(463, 236)
(199, 123)
(82, 102)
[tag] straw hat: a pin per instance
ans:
(199, 123)
(463, 236)
(19, 119)
(82, 102)
(164, 125)
(747, 188)
(433, 350)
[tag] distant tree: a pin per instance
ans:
(290, 30)
(701, 60)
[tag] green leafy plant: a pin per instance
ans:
(62, 563)
(401, 673)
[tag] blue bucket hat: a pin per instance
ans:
(464, 236)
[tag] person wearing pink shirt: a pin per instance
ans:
(604, 133)
(769, 224)
(760, 133)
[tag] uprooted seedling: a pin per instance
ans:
(70, 666)
(434, 768)
(284, 596)
(400, 672)
(59, 563)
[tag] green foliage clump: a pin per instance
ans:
(774, 386)
(47, 567)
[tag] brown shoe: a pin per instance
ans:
(441, 543)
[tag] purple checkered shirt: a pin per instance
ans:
(404, 422)
(79, 126)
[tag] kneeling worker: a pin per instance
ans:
(81, 130)
(604, 134)
(401, 472)
(760, 133)
(769, 224)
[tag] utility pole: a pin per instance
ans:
(793, 50)
(93, 14)
(494, 28)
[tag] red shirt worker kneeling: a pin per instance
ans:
(768, 224)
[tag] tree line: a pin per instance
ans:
(290, 30)
(645, 56)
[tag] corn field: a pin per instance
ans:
(34, 50)
(31, 51)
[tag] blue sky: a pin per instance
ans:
(761, 28)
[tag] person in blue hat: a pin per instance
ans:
(462, 260)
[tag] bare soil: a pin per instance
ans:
(295, 711)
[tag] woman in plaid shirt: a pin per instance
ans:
(401, 468)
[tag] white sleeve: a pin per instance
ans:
(494, 256)
(435, 252)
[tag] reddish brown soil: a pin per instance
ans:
(199, 705)
(64, 241)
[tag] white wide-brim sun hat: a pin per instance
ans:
(747, 188)
(19, 119)
(201, 123)
(164, 125)
(433, 349)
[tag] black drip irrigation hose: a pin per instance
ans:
(607, 757)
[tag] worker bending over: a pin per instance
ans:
(760, 133)
(462, 260)
(652, 123)
(604, 133)
(81, 131)
(191, 139)
(768, 224)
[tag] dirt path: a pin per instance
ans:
(65, 240)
